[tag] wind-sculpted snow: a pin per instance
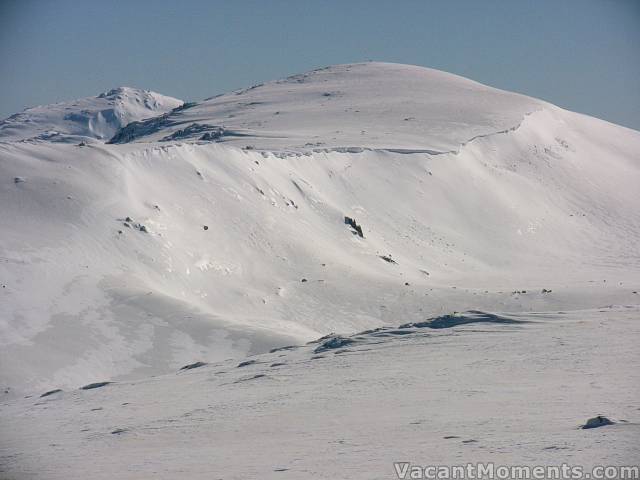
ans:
(92, 117)
(453, 320)
(339, 343)
(192, 131)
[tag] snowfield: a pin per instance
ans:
(509, 393)
(355, 198)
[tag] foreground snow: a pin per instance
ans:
(512, 390)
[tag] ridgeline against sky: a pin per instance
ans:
(580, 54)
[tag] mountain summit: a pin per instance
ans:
(364, 105)
(96, 117)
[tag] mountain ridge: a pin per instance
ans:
(374, 105)
(97, 117)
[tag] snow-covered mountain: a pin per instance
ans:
(119, 261)
(342, 200)
(93, 117)
(349, 107)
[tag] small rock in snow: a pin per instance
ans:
(596, 422)
(91, 386)
(246, 363)
(193, 365)
(50, 392)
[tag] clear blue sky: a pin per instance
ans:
(583, 55)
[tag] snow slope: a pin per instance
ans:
(94, 117)
(511, 389)
(502, 194)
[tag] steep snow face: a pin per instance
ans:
(120, 261)
(93, 117)
(365, 105)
